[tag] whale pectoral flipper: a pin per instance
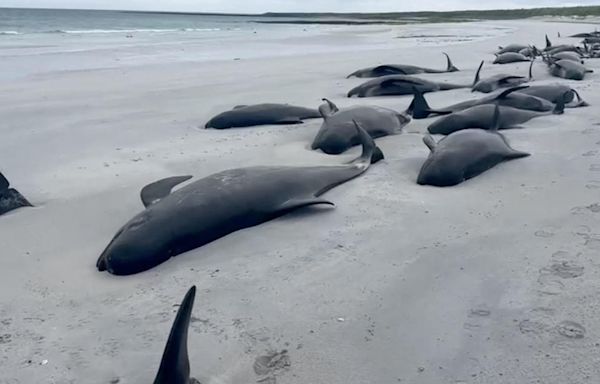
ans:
(289, 120)
(293, 204)
(175, 363)
(158, 190)
(429, 142)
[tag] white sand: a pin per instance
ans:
(398, 283)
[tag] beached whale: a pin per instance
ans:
(420, 109)
(573, 56)
(554, 49)
(555, 93)
(482, 116)
(465, 154)
(401, 69)
(511, 48)
(568, 69)
(338, 133)
(10, 198)
(399, 85)
(261, 114)
(510, 57)
(495, 82)
(218, 205)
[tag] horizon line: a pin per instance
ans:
(199, 13)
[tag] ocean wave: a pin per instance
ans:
(137, 30)
(9, 33)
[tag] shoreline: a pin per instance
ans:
(432, 285)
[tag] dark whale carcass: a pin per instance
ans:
(338, 134)
(399, 85)
(261, 114)
(465, 154)
(214, 206)
(401, 69)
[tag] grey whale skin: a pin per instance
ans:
(261, 114)
(10, 198)
(399, 85)
(337, 133)
(482, 116)
(495, 82)
(401, 69)
(512, 97)
(465, 154)
(217, 205)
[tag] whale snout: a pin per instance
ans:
(101, 263)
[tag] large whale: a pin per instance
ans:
(465, 154)
(401, 69)
(399, 85)
(555, 93)
(10, 198)
(511, 48)
(338, 134)
(568, 69)
(420, 109)
(214, 206)
(261, 114)
(510, 57)
(482, 116)
(495, 82)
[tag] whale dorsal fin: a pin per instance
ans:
(449, 65)
(419, 108)
(476, 80)
(429, 142)
(240, 106)
(154, 192)
(4, 184)
(327, 109)
(175, 364)
(548, 42)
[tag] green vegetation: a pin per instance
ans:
(500, 14)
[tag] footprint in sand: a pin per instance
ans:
(593, 208)
(551, 277)
(590, 153)
(593, 184)
(591, 240)
(544, 233)
(269, 366)
(595, 167)
(529, 327)
(571, 330)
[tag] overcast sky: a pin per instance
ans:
(258, 6)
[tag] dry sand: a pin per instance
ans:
(486, 282)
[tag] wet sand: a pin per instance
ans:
(492, 281)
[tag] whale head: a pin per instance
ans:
(139, 245)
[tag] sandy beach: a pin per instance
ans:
(492, 281)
